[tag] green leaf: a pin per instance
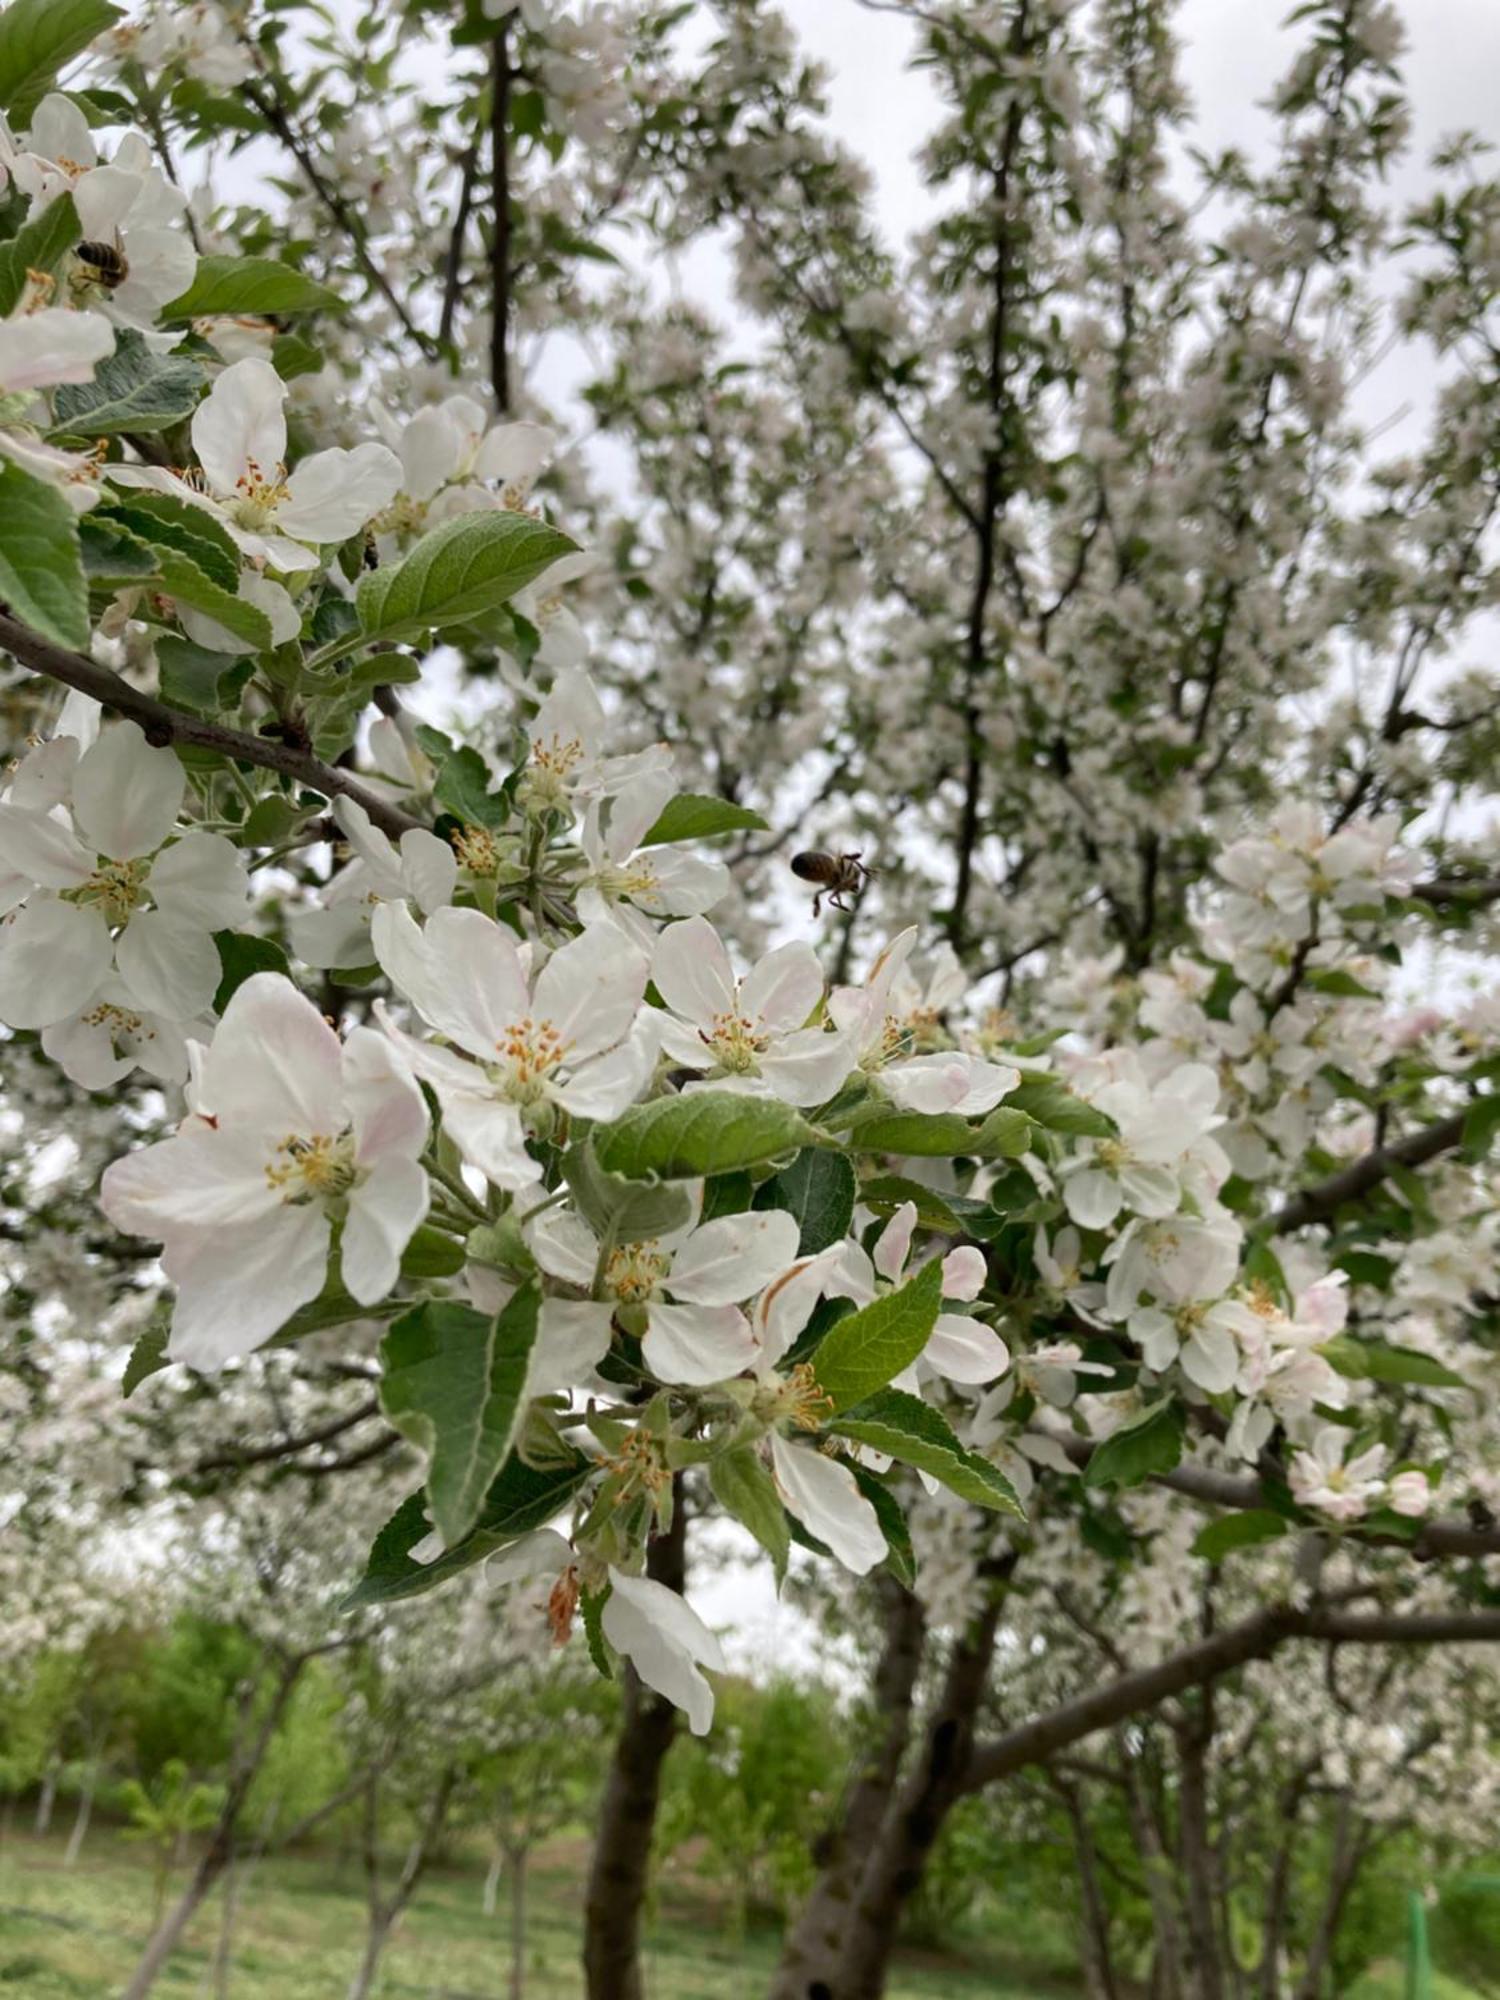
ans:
(113, 558)
(41, 563)
(743, 1487)
(192, 676)
(900, 1557)
(863, 1351)
(148, 1357)
(696, 816)
(942, 1135)
(1152, 1444)
(591, 1603)
(905, 1427)
(818, 1191)
(623, 1210)
(1238, 1531)
(463, 788)
(432, 1253)
(946, 1214)
(292, 356)
(184, 526)
(466, 566)
(253, 285)
(37, 39)
(520, 1500)
(241, 955)
(700, 1132)
(40, 246)
(1342, 985)
(1481, 1123)
(1375, 1361)
(183, 581)
(132, 390)
(1052, 1104)
(452, 1382)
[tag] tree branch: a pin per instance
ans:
(165, 726)
(501, 75)
(1256, 1638)
(1317, 1204)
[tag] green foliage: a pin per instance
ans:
(250, 285)
(818, 1191)
(1137, 1451)
(692, 817)
(866, 1349)
(40, 244)
(37, 38)
(906, 1428)
(41, 569)
(132, 390)
(452, 1381)
(456, 572)
(699, 1132)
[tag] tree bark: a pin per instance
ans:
(386, 1913)
(1278, 1888)
(811, 1949)
(933, 1787)
(1203, 1972)
(492, 1885)
(627, 1811)
(1161, 1892)
(82, 1816)
(217, 1854)
(1094, 1946)
(1350, 1846)
(47, 1797)
(223, 1948)
(517, 1923)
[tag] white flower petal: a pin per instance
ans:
(240, 423)
(41, 849)
(590, 990)
(572, 1339)
(384, 1211)
(126, 795)
(784, 987)
(823, 1495)
(53, 958)
(275, 1065)
(202, 878)
(334, 493)
(697, 1345)
(237, 1286)
(691, 971)
(170, 964)
(733, 1258)
(665, 1641)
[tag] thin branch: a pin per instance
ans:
(1317, 1204)
(1206, 1661)
(165, 726)
(287, 1447)
(501, 77)
(453, 263)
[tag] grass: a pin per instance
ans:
(74, 1933)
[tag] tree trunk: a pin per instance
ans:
(811, 1949)
(47, 1797)
(1166, 1965)
(627, 1813)
(1350, 1846)
(1278, 1888)
(1098, 1960)
(1203, 1970)
(218, 1853)
(223, 1949)
(386, 1914)
(82, 1816)
(934, 1786)
(517, 1860)
(376, 1936)
(492, 1885)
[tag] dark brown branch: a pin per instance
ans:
(501, 77)
(165, 726)
(1317, 1204)
(1458, 891)
(1207, 1660)
(289, 1446)
(453, 263)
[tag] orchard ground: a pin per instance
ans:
(72, 1934)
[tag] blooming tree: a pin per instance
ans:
(482, 1069)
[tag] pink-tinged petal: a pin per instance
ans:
(236, 1286)
(41, 849)
(965, 1350)
(384, 1210)
(490, 1135)
(1092, 1198)
(733, 1258)
(461, 973)
(784, 987)
(170, 966)
(929, 1084)
(697, 1345)
(240, 422)
(893, 1246)
(692, 973)
(53, 959)
(386, 1108)
(126, 795)
(200, 1180)
(44, 776)
(823, 1495)
(807, 1067)
(429, 869)
(275, 1064)
(334, 493)
(564, 1245)
(665, 1641)
(590, 990)
(610, 1084)
(202, 878)
(52, 345)
(573, 1337)
(964, 1272)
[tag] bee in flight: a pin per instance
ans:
(837, 876)
(102, 264)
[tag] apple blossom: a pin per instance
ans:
(288, 1128)
(666, 1642)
